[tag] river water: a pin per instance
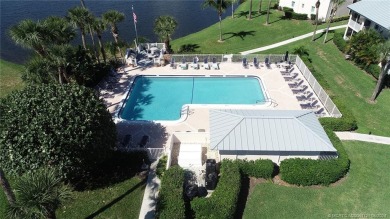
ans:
(188, 13)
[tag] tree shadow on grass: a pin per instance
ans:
(279, 19)
(188, 48)
(241, 34)
(242, 197)
(246, 14)
(116, 200)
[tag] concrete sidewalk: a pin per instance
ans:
(289, 41)
(148, 207)
(352, 136)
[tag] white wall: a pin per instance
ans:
(323, 11)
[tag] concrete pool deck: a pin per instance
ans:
(274, 84)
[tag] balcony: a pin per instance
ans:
(354, 25)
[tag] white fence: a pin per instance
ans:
(320, 92)
(272, 58)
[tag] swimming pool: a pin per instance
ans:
(162, 98)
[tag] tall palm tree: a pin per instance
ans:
(269, 7)
(59, 56)
(39, 194)
(233, 2)
(260, 4)
(164, 26)
(112, 17)
(31, 35)
(60, 29)
(220, 6)
(250, 9)
(335, 6)
(6, 188)
(317, 8)
(384, 50)
(98, 27)
(79, 18)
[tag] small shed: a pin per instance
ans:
(268, 134)
(190, 155)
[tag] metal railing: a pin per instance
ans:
(318, 90)
(272, 58)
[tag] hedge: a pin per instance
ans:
(170, 203)
(223, 202)
(161, 166)
(308, 172)
(258, 168)
(298, 16)
(339, 41)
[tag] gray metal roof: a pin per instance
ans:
(267, 130)
(376, 10)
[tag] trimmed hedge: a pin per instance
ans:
(161, 166)
(374, 70)
(308, 172)
(339, 41)
(223, 202)
(298, 16)
(258, 168)
(171, 197)
(343, 18)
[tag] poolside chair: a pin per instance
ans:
(311, 105)
(127, 140)
(215, 64)
(321, 111)
(295, 84)
(144, 141)
(267, 63)
(255, 62)
(173, 64)
(303, 97)
(244, 63)
(290, 78)
(299, 90)
(184, 64)
(194, 63)
(206, 64)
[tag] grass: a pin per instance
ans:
(364, 191)
(115, 201)
(348, 82)
(241, 34)
(9, 77)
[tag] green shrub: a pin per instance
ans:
(312, 17)
(343, 18)
(52, 125)
(373, 69)
(298, 16)
(161, 166)
(308, 172)
(258, 168)
(170, 203)
(223, 202)
(288, 14)
(285, 9)
(339, 41)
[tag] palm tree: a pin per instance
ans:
(31, 35)
(315, 30)
(59, 56)
(111, 18)
(233, 2)
(335, 5)
(164, 26)
(98, 27)
(39, 194)
(260, 4)
(269, 7)
(250, 10)
(60, 30)
(220, 6)
(39, 70)
(6, 188)
(384, 50)
(79, 18)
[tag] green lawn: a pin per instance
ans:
(9, 77)
(348, 82)
(241, 34)
(365, 190)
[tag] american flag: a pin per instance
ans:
(135, 17)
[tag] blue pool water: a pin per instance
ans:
(161, 98)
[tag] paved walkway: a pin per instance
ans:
(352, 136)
(289, 41)
(148, 207)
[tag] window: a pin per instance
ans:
(312, 9)
(292, 4)
(303, 5)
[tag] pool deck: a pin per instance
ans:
(274, 84)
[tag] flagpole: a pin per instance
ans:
(135, 25)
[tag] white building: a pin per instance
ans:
(374, 14)
(308, 7)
